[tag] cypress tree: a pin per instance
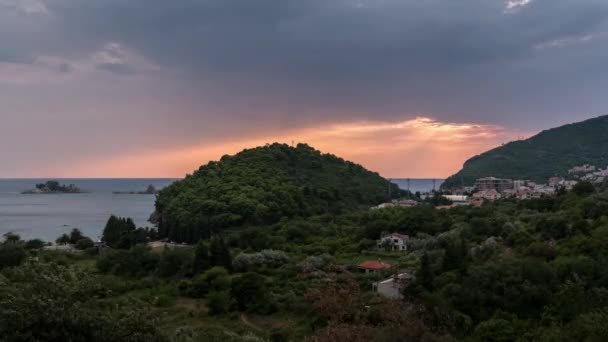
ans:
(219, 253)
(202, 260)
(425, 273)
(111, 232)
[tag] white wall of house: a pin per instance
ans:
(396, 243)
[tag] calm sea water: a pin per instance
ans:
(47, 216)
(418, 184)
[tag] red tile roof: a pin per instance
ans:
(401, 236)
(375, 265)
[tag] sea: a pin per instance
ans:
(418, 184)
(48, 216)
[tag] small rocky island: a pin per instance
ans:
(151, 190)
(54, 187)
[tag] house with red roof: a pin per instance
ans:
(370, 266)
(393, 242)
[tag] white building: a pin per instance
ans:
(394, 241)
(458, 199)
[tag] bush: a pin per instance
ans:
(252, 261)
(84, 243)
(136, 262)
(11, 255)
(215, 279)
(248, 289)
(34, 244)
(219, 302)
(173, 262)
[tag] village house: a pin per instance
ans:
(490, 195)
(553, 181)
(393, 242)
(391, 287)
(371, 266)
(583, 168)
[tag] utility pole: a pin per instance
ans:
(390, 198)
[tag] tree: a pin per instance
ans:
(454, 257)
(202, 260)
(11, 255)
(112, 231)
(84, 243)
(34, 244)
(219, 253)
(583, 188)
(425, 273)
(122, 233)
(75, 236)
(64, 239)
(176, 261)
(219, 302)
(214, 279)
(248, 290)
(11, 237)
(48, 302)
(136, 262)
(495, 330)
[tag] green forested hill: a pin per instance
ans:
(263, 185)
(549, 153)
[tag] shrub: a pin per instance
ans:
(84, 243)
(219, 302)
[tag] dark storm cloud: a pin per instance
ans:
(459, 60)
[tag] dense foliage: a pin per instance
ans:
(120, 232)
(549, 153)
(262, 186)
(49, 302)
(509, 270)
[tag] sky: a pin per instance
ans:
(408, 88)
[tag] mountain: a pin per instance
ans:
(263, 185)
(549, 153)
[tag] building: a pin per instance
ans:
(371, 266)
(391, 287)
(517, 184)
(399, 203)
(490, 195)
(583, 168)
(406, 203)
(393, 242)
(492, 183)
(458, 199)
(553, 181)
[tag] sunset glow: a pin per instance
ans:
(420, 147)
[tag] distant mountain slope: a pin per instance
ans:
(262, 186)
(551, 152)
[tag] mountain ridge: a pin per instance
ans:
(552, 152)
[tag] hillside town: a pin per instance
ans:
(491, 189)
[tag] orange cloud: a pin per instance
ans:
(416, 148)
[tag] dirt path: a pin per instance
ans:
(248, 323)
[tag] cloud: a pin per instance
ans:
(369, 59)
(168, 75)
(419, 147)
(27, 7)
(111, 57)
(513, 5)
